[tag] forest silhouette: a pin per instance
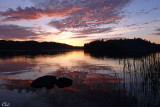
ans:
(121, 48)
(33, 45)
(98, 48)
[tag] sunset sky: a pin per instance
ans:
(76, 22)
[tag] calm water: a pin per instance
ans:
(97, 81)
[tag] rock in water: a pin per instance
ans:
(47, 81)
(63, 82)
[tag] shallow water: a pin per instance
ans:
(97, 81)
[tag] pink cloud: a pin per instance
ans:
(32, 13)
(94, 13)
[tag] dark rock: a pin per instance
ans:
(47, 81)
(63, 82)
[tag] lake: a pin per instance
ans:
(97, 81)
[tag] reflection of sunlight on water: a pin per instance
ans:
(62, 59)
(92, 77)
(48, 63)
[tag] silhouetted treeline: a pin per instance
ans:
(33, 45)
(122, 47)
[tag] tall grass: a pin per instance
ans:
(141, 80)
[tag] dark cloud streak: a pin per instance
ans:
(158, 29)
(93, 31)
(79, 37)
(18, 32)
(147, 12)
(157, 32)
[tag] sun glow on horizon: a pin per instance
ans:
(75, 24)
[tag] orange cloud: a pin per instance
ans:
(34, 13)
(94, 14)
(106, 8)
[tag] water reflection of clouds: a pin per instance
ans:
(92, 88)
(74, 59)
(19, 84)
(82, 69)
(94, 80)
(82, 81)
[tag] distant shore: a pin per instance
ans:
(99, 48)
(34, 46)
(121, 48)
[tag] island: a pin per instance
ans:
(121, 47)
